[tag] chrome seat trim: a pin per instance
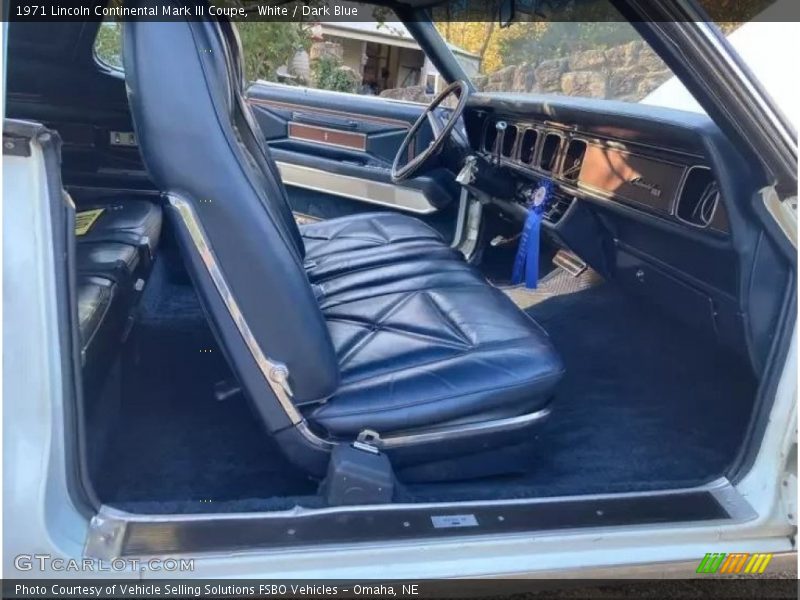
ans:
(275, 373)
(438, 434)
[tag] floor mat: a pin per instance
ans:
(556, 283)
(644, 404)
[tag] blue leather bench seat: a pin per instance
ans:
(421, 338)
(336, 329)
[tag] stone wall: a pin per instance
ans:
(628, 72)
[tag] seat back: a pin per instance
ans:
(201, 147)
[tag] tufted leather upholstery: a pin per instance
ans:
(432, 356)
(380, 324)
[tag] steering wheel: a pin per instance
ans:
(440, 134)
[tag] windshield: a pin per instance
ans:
(609, 59)
(603, 59)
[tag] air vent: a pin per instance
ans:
(549, 158)
(509, 138)
(699, 197)
(573, 161)
(527, 146)
(490, 137)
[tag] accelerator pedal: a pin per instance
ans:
(567, 261)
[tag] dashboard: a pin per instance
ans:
(657, 200)
(662, 182)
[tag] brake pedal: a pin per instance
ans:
(566, 260)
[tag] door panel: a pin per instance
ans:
(335, 152)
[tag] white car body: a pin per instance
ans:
(758, 43)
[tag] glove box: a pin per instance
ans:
(642, 278)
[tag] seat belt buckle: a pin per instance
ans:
(368, 441)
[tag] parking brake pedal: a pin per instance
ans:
(566, 260)
(358, 473)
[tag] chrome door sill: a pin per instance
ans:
(114, 533)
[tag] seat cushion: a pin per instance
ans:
(368, 240)
(433, 356)
(109, 259)
(95, 295)
(102, 314)
(365, 230)
(134, 222)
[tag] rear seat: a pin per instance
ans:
(99, 315)
(136, 223)
(115, 247)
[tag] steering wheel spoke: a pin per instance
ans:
(441, 133)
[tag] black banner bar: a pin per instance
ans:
(348, 10)
(74, 589)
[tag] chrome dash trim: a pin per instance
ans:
(679, 196)
(275, 373)
(355, 188)
(457, 431)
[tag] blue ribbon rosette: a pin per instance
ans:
(526, 263)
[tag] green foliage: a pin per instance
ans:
(327, 73)
(108, 44)
(268, 45)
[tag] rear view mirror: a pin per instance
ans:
(506, 13)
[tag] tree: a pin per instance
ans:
(268, 45)
(108, 44)
(327, 73)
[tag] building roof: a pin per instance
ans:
(392, 33)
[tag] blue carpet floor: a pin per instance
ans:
(644, 405)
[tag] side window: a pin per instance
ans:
(375, 55)
(108, 44)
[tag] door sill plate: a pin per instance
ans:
(114, 533)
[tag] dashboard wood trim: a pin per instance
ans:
(327, 136)
(709, 236)
(636, 178)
